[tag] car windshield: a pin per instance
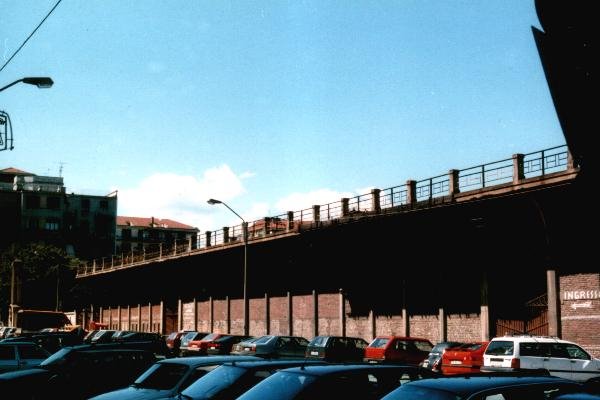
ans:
(319, 341)
(214, 382)
(56, 359)
(379, 343)
(172, 336)
(161, 376)
(423, 346)
(280, 386)
(500, 348)
(263, 339)
(409, 392)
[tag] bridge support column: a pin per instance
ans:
(405, 322)
(211, 314)
(119, 316)
(342, 317)
(228, 313)
(128, 317)
(290, 314)
(373, 324)
(375, 201)
(484, 314)
(149, 317)
(518, 171)
(267, 315)
(411, 192)
(195, 314)
(139, 316)
(109, 318)
(315, 298)
(554, 328)
(442, 324)
(162, 318)
(179, 315)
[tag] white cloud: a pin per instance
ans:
(300, 201)
(179, 197)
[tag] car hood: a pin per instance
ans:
(133, 393)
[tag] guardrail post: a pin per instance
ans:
(225, 235)
(175, 247)
(94, 266)
(208, 234)
(112, 262)
(290, 220)
(143, 253)
(375, 201)
(122, 258)
(316, 214)
(345, 206)
(160, 251)
(518, 171)
(189, 249)
(570, 161)
(411, 192)
(102, 263)
(453, 182)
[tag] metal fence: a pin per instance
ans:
(534, 164)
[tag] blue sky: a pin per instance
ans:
(268, 105)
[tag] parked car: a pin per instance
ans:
(434, 358)
(230, 380)
(485, 388)
(347, 381)
(87, 370)
(270, 346)
(243, 346)
(224, 344)
(167, 378)
(198, 347)
(187, 338)
(560, 357)
(336, 348)
(103, 336)
(398, 349)
(173, 341)
(464, 359)
(15, 355)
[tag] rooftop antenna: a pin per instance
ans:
(60, 168)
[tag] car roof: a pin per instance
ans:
(527, 338)
(326, 369)
(208, 360)
(466, 385)
(402, 338)
(275, 363)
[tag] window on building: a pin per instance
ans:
(33, 224)
(32, 202)
(51, 225)
(53, 202)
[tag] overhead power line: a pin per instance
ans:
(30, 35)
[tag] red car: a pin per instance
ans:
(200, 347)
(464, 359)
(398, 349)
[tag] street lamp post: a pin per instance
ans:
(43, 82)
(245, 238)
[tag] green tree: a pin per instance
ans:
(46, 275)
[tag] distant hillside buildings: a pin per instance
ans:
(37, 208)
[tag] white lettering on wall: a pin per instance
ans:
(581, 294)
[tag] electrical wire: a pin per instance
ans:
(28, 37)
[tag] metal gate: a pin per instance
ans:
(536, 322)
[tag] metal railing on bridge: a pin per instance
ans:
(414, 194)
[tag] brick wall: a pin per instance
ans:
(580, 310)
(463, 327)
(460, 327)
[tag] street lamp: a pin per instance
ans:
(245, 236)
(43, 82)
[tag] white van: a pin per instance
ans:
(559, 357)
